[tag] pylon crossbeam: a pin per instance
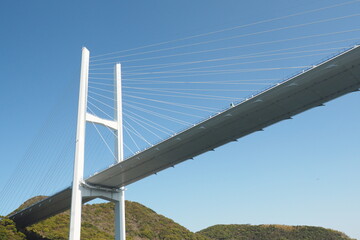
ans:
(105, 122)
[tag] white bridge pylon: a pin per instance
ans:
(79, 188)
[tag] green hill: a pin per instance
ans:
(8, 230)
(98, 223)
(271, 232)
(143, 223)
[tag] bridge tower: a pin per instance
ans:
(79, 188)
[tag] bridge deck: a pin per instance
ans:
(331, 79)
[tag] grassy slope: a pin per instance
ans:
(8, 230)
(144, 223)
(98, 223)
(271, 232)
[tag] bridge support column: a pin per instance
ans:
(120, 231)
(76, 199)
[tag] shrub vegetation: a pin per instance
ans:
(271, 232)
(143, 223)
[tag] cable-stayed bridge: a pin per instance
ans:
(312, 88)
(206, 76)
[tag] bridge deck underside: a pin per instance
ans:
(329, 80)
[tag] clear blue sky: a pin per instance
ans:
(298, 172)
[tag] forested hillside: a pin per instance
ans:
(271, 232)
(143, 223)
